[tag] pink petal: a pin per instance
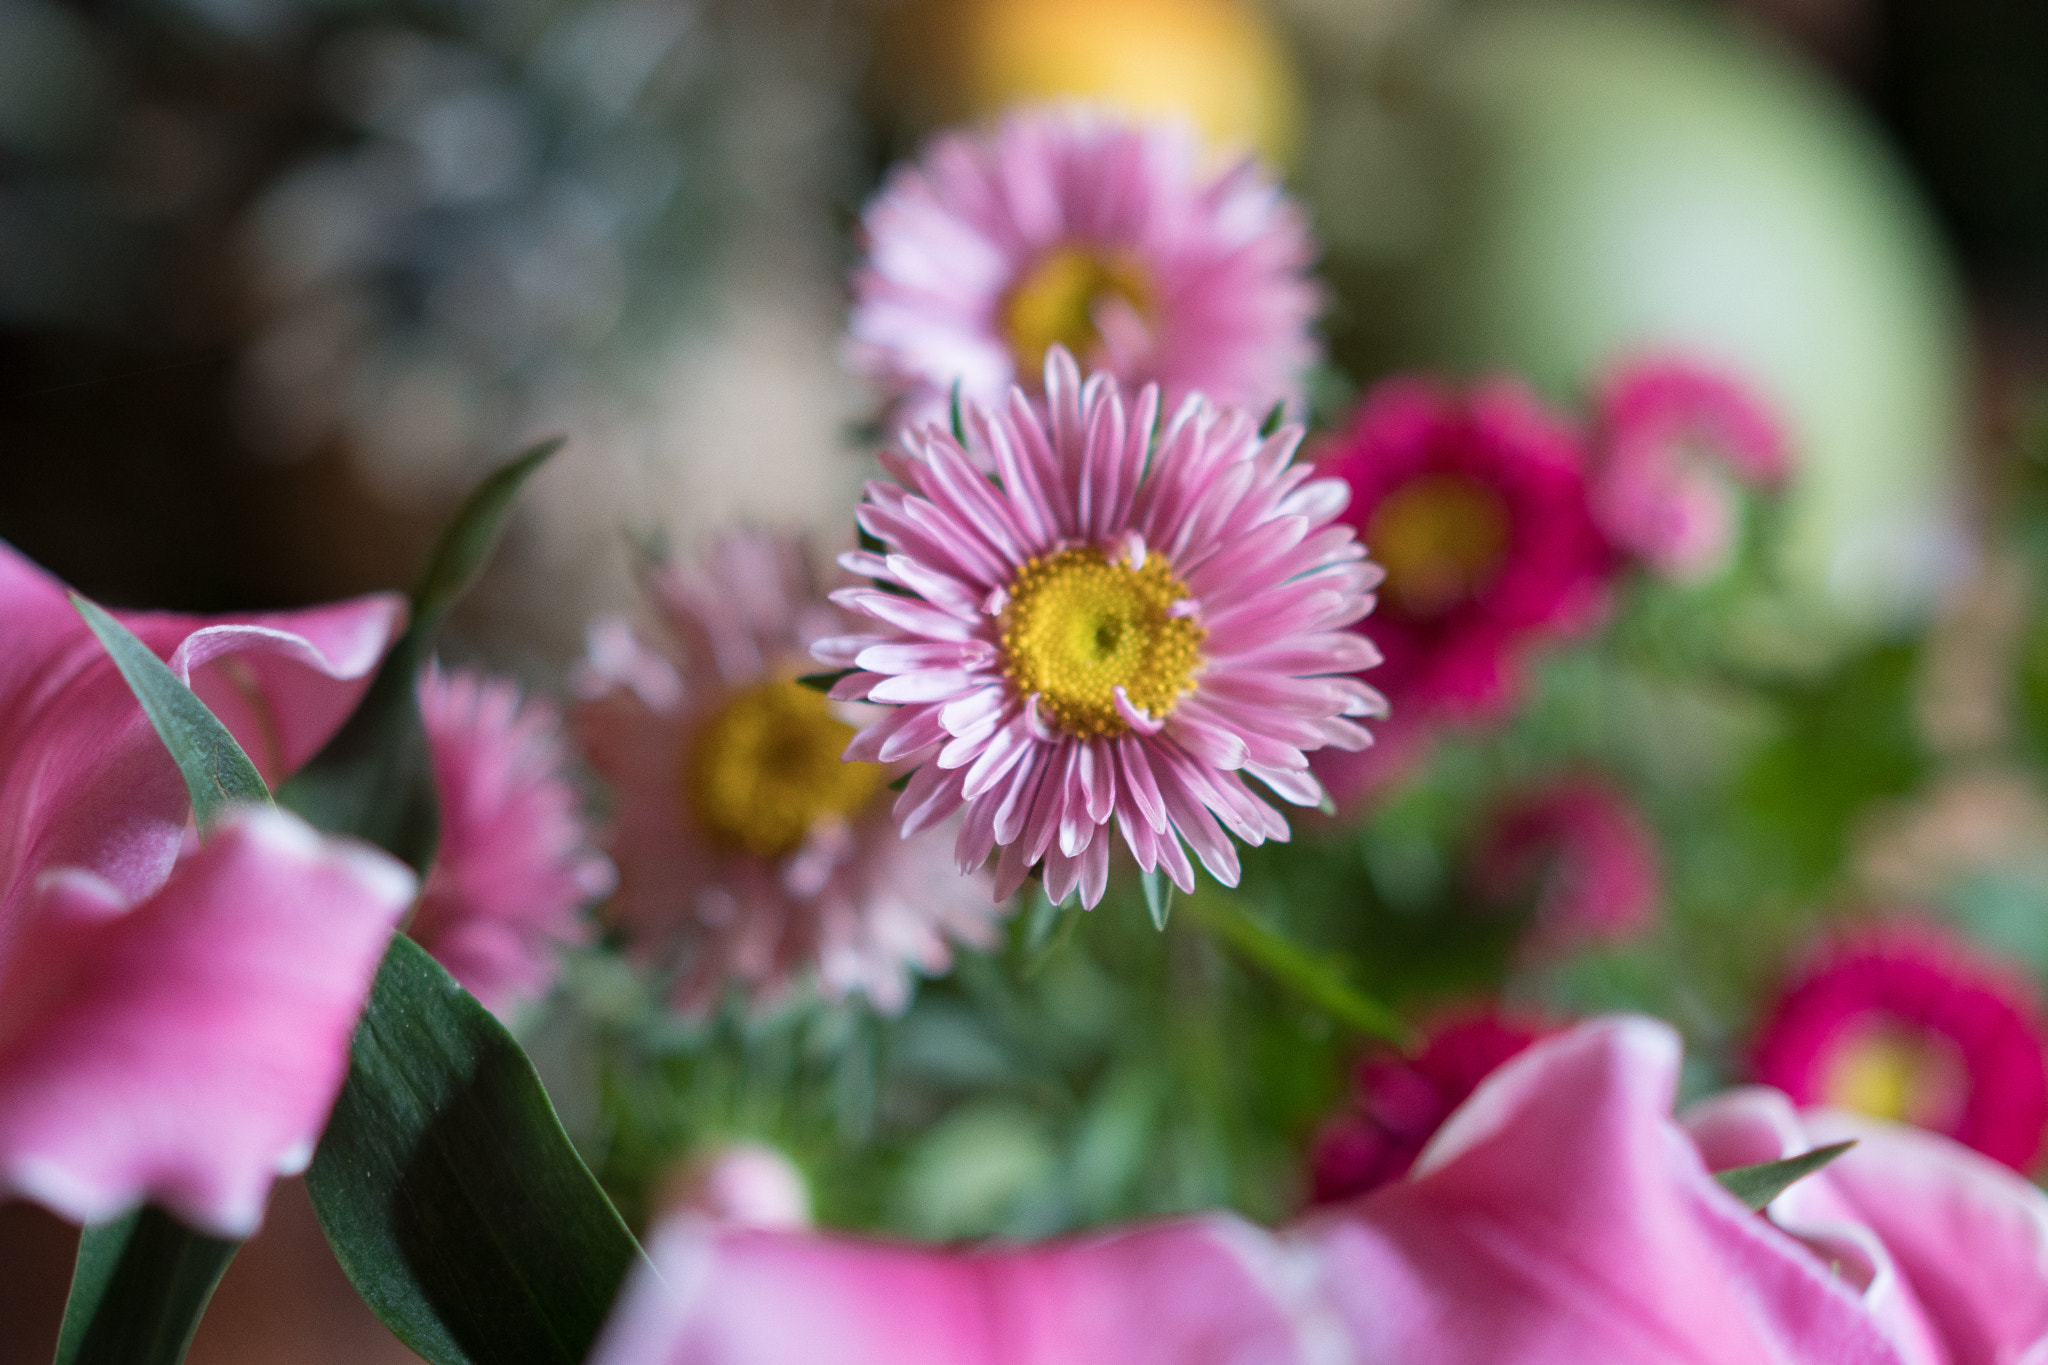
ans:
(186, 1050)
(1559, 1217)
(1194, 1292)
(84, 781)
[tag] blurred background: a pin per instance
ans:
(280, 278)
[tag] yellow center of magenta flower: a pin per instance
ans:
(1061, 299)
(1441, 538)
(1077, 627)
(766, 768)
(1900, 1074)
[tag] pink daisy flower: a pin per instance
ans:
(1067, 227)
(1906, 1024)
(748, 853)
(1400, 1102)
(514, 867)
(1476, 507)
(1111, 627)
(1675, 437)
(1582, 853)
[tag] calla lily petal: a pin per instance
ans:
(84, 781)
(186, 1049)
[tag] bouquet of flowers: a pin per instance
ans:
(1209, 871)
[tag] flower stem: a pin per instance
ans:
(1315, 977)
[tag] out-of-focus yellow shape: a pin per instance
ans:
(1219, 62)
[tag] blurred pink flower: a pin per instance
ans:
(1114, 626)
(1560, 1216)
(1904, 1023)
(514, 867)
(1400, 1102)
(741, 1184)
(173, 1026)
(1582, 853)
(1068, 226)
(1476, 507)
(1673, 437)
(748, 853)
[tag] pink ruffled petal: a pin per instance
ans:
(186, 1050)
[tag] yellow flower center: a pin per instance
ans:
(1895, 1073)
(766, 768)
(1441, 538)
(1077, 627)
(1060, 301)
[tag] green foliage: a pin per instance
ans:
(1758, 1185)
(448, 1190)
(373, 778)
(1847, 741)
(216, 771)
(142, 1282)
(138, 1291)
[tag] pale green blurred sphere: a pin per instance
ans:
(1637, 177)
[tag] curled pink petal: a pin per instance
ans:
(84, 781)
(185, 1050)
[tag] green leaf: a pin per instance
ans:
(1317, 979)
(138, 1291)
(216, 771)
(449, 1191)
(1758, 1185)
(822, 682)
(141, 1282)
(1158, 897)
(1274, 417)
(374, 779)
(957, 417)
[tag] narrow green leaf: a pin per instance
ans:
(216, 771)
(1274, 417)
(448, 1190)
(374, 779)
(1314, 977)
(1758, 1185)
(822, 682)
(959, 418)
(1158, 897)
(138, 1291)
(142, 1282)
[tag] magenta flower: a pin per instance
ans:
(173, 1025)
(1902, 1023)
(1582, 853)
(1477, 509)
(1399, 1102)
(1560, 1216)
(1067, 227)
(514, 867)
(1675, 437)
(1112, 627)
(747, 852)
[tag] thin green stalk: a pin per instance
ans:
(1315, 977)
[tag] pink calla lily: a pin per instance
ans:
(85, 783)
(174, 1017)
(186, 1049)
(1560, 1216)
